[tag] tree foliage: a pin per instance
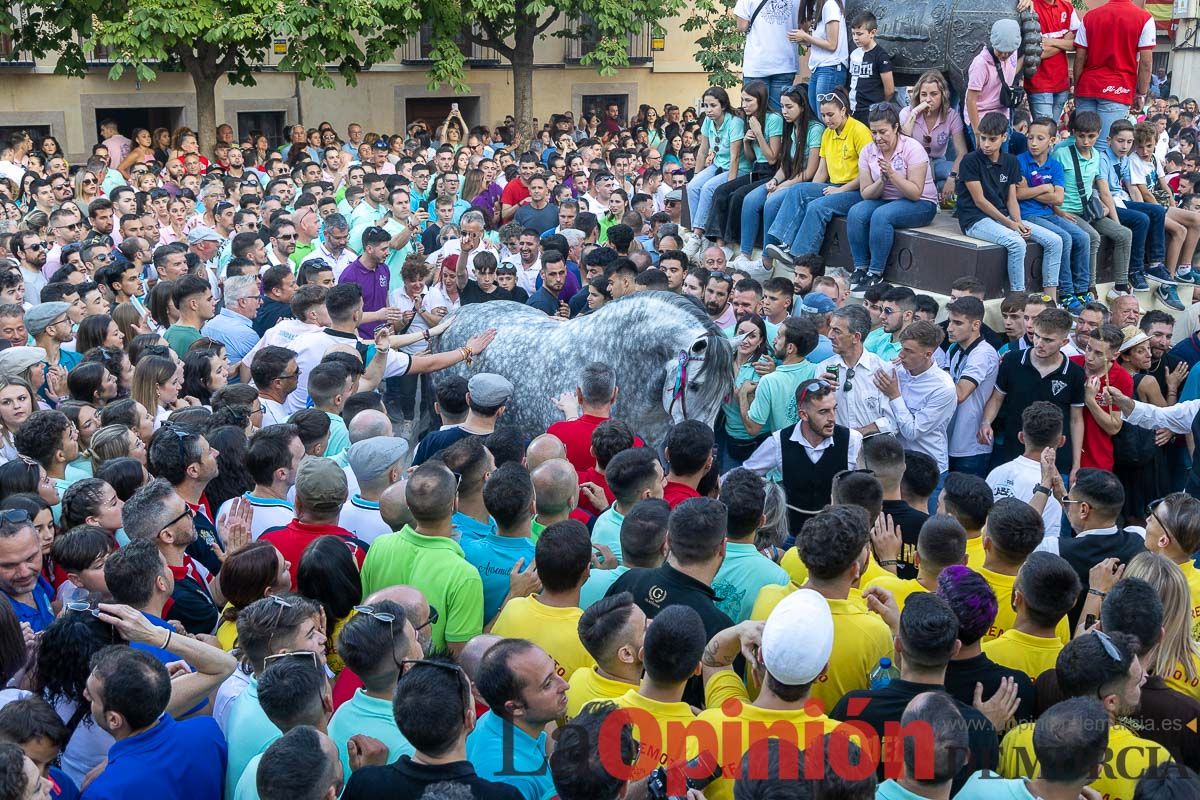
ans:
(720, 44)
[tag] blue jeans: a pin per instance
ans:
(791, 210)
(1156, 244)
(971, 465)
(759, 209)
(824, 80)
(872, 228)
(776, 84)
(705, 196)
(1075, 271)
(989, 230)
(1108, 110)
(817, 216)
(1048, 104)
(695, 188)
(1140, 224)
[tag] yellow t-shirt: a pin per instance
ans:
(668, 739)
(860, 639)
(900, 588)
(227, 632)
(555, 630)
(1193, 579)
(794, 567)
(1030, 654)
(729, 714)
(975, 554)
(1178, 679)
(840, 150)
(586, 685)
(1128, 757)
(1006, 615)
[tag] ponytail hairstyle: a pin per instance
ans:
(797, 132)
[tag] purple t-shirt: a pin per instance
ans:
(374, 284)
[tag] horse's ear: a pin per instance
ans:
(700, 345)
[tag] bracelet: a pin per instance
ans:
(167, 641)
(1043, 489)
(1098, 593)
(953, 175)
(466, 353)
(425, 335)
(890, 562)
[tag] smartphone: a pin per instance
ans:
(1089, 621)
(454, 106)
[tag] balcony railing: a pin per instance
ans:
(580, 41)
(418, 50)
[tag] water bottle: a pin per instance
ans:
(883, 674)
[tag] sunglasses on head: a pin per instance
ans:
(811, 387)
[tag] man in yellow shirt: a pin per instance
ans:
(1097, 665)
(675, 640)
(1173, 529)
(793, 648)
(550, 619)
(1046, 590)
(941, 543)
(1013, 531)
(834, 549)
(968, 499)
(612, 630)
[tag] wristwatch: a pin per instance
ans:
(1043, 489)
(954, 175)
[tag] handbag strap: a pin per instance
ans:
(1083, 198)
(754, 16)
(1000, 72)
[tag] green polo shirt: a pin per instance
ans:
(437, 567)
(774, 405)
(180, 338)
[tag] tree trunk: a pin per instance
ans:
(206, 111)
(522, 67)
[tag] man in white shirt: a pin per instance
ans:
(334, 247)
(921, 396)
(469, 244)
(12, 166)
(528, 261)
(852, 370)
(972, 364)
(1022, 478)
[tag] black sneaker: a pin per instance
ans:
(778, 253)
(859, 286)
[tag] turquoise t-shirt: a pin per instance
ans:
(468, 528)
(597, 585)
(249, 732)
(607, 530)
(339, 437)
(880, 343)
(774, 405)
(494, 556)
(732, 129)
(1090, 167)
(733, 416)
(984, 785)
(371, 716)
(502, 752)
(773, 127)
(743, 573)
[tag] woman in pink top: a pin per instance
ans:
(896, 184)
(935, 124)
(998, 57)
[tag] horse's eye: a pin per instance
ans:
(694, 386)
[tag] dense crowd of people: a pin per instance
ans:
(262, 536)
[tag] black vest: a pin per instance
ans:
(1193, 480)
(808, 485)
(1085, 552)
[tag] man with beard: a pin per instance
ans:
(716, 300)
(896, 310)
(31, 250)
(188, 462)
(21, 580)
(771, 404)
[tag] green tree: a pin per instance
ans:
(513, 27)
(213, 38)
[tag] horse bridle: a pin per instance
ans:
(680, 391)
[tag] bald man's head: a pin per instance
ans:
(416, 610)
(555, 487)
(474, 651)
(393, 506)
(542, 449)
(369, 424)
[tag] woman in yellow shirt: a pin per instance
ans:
(834, 188)
(252, 573)
(1177, 657)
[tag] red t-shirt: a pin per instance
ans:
(675, 493)
(515, 192)
(292, 539)
(592, 476)
(1097, 445)
(1057, 20)
(576, 434)
(1113, 35)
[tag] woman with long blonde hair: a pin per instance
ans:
(157, 381)
(1177, 657)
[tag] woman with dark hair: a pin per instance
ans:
(204, 372)
(329, 575)
(98, 330)
(91, 501)
(823, 29)
(799, 157)
(132, 415)
(23, 474)
(43, 523)
(124, 475)
(761, 143)
(721, 135)
(14, 656)
(232, 477)
(91, 383)
(48, 146)
(161, 306)
(116, 361)
(255, 571)
(86, 421)
(734, 442)
(598, 294)
(148, 344)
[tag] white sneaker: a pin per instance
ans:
(740, 261)
(1114, 293)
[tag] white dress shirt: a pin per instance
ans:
(1177, 418)
(768, 458)
(339, 262)
(923, 411)
(864, 404)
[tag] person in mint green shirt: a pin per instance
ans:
(329, 385)
(508, 497)
(721, 136)
(735, 443)
(896, 309)
(762, 146)
(643, 537)
(770, 404)
(633, 475)
(372, 643)
(745, 570)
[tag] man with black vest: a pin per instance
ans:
(1093, 506)
(1181, 418)
(810, 453)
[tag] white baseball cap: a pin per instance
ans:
(798, 638)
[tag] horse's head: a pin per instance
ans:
(698, 379)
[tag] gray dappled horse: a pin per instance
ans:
(650, 339)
